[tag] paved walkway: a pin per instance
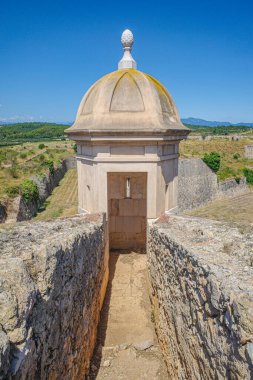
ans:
(127, 348)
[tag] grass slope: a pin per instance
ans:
(237, 209)
(63, 200)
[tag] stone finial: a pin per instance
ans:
(127, 61)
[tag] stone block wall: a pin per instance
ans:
(197, 183)
(53, 279)
(202, 294)
(2, 213)
(230, 187)
(248, 151)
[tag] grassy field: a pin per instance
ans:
(230, 166)
(238, 209)
(19, 162)
(63, 200)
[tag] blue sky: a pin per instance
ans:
(52, 51)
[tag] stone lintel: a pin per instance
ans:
(138, 159)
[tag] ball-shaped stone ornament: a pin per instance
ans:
(127, 38)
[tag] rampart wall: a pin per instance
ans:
(198, 184)
(202, 295)
(53, 279)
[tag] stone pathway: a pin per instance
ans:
(127, 348)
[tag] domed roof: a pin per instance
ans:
(127, 100)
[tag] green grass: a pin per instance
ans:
(231, 165)
(19, 162)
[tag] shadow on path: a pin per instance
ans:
(104, 316)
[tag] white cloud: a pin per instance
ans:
(17, 118)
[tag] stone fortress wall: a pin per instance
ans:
(248, 151)
(198, 184)
(54, 274)
(202, 294)
(53, 279)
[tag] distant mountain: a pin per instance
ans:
(188, 120)
(207, 123)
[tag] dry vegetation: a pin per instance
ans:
(232, 154)
(237, 209)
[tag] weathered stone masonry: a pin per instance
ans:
(198, 184)
(202, 294)
(53, 278)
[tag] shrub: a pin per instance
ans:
(75, 147)
(212, 160)
(41, 157)
(50, 165)
(41, 146)
(248, 173)
(29, 190)
(23, 155)
(13, 171)
(236, 156)
(12, 191)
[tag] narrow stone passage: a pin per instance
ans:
(127, 347)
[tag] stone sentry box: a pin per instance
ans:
(127, 122)
(154, 160)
